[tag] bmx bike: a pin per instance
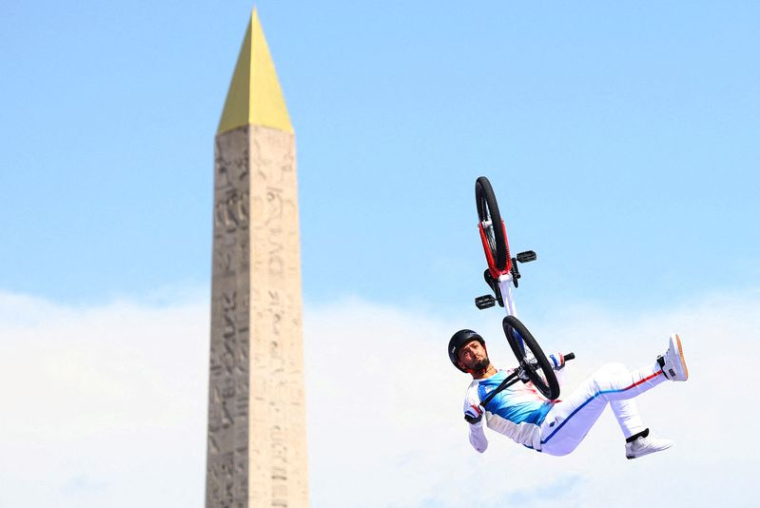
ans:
(503, 273)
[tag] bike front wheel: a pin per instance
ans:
(531, 357)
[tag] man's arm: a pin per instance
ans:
(478, 436)
(474, 413)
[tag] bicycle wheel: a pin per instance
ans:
(491, 223)
(533, 361)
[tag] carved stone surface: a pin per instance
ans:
(257, 414)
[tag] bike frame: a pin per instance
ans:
(505, 286)
(503, 277)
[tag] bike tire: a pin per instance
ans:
(542, 376)
(491, 222)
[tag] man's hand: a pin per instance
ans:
(558, 361)
(474, 414)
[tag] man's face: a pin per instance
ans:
(473, 356)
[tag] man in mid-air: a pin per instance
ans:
(558, 427)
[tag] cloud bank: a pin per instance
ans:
(106, 406)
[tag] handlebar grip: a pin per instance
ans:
(569, 356)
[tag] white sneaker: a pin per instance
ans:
(644, 446)
(672, 362)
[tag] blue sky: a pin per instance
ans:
(621, 139)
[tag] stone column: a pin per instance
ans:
(257, 415)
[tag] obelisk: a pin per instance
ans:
(257, 416)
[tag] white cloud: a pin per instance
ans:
(386, 426)
(102, 406)
(105, 406)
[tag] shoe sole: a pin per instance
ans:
(650, 452)
(680, 356)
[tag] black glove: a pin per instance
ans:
(474, 414)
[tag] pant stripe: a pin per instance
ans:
(637, 383)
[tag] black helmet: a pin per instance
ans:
(458, 340)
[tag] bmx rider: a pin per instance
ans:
(558, 427)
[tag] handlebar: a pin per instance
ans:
(512, 379)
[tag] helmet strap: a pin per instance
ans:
(478, 372)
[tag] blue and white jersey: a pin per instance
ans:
(517, 412)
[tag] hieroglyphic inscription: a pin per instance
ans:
(276, 278)
(257, 428)
(227, 468)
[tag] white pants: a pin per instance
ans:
(570, 420)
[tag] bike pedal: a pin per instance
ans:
(526, 257)
(485, 301)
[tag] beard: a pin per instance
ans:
(481, 365)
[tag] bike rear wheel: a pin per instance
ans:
(491, 223)
(533, 361)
